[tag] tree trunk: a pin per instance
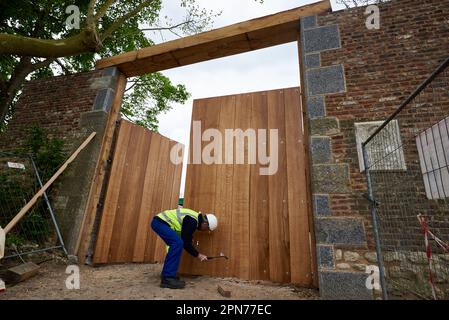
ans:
(9, 91)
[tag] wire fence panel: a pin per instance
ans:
(408, 166)
(38, 230)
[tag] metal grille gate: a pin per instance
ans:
(38, 231)
(407, 169)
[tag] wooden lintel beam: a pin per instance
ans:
(271, 30)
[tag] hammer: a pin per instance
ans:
(218, 257)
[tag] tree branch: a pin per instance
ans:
(178, 35)
(86, 41)
(90, 13)
(126, 116)
(42, 64)
(63, 67)
(168, 27)
(106, 34)
(132, 86)
(103, 9)
(2, 86)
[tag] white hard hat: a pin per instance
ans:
(213, 221)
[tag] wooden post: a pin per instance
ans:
(86, 231)
(308, 163)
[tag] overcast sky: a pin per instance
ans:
(266, 69)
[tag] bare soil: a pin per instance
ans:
(141, 281)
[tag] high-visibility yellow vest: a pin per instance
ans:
(175, 217)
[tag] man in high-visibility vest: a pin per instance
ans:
(176, 227)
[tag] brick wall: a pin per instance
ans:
(354, 75)
(70, 108)
(55, 104)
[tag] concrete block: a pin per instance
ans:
(321, 39)
(104, 100)
(104, 82)
(344, 286)
(321, 150)
(341, 231)
(94, 119)
(324, 126)
(308, 22)
(321, 205)
(325, 255)
(316, 107)
(313, 61)
(331, 178)
(111, 72)
(326, 80)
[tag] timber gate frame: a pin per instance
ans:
(269, 31)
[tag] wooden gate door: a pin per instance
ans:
(143, 182)
(263, 219)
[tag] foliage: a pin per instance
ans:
(155, 87)
(121, 26)
(48, 153)
(15, 189)
(14, 240)
(18, 186)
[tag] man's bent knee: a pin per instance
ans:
(179, 244)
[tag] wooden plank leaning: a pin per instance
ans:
(29, 205)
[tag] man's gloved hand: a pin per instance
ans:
(202, 257)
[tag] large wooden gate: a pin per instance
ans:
(263, 219)
(143, 182)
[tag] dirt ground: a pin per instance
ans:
(141, 282)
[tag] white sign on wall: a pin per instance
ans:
(14, 165)
(433, 149)
(385, 150)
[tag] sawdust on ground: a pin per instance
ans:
(141, 281)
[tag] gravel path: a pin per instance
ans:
(138, 281)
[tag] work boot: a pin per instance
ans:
(177, 278)
(172, 283)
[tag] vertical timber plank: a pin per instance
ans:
(166, 188)
(223, 203)
(240, 197)
(158, 191)
(125, 200)
(173, 201)
(109, 211)
(142, 236)
(151, 208)
(300, 258)
(136, 191)
(192, 178)
(277, 190)
(259, 215)
(145, 214)
(204, 188)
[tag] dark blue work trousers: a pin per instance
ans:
(174, 241)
